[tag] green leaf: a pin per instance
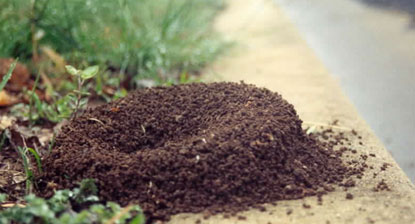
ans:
(3, 197)
(59, 209)
(37, 157)
(8, 75)
(38, 103)
(71, 70)
(60, 200)
(86, 192)
(39, 208)
(139, 219)
(89, 72)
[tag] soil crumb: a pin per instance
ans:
(349, 196)
(381, 186)
(219, 147)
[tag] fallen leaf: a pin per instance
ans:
(45, 136)
(7, 99)
(19, 177)
(6, 121)
(33, 137)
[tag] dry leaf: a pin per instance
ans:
(11, 204)
(7, 99)
(6, 121)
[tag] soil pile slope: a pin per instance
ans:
(220, 147)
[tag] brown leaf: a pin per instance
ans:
(21, 135)
(7, 99)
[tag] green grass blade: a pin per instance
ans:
(52, 143)
(8, 75)
(22, 153)
(37, 157)
(3, 139)
(139, 219)
(29, 174)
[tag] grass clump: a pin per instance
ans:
(144, 39)
(23, 152)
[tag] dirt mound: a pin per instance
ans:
(221, 147)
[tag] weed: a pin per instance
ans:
(27, 166)
(54, 112)
(59, 209)
(86, 192)
(81, 76)
(63, 108)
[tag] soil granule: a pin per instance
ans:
(220, 147)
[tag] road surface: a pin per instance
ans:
(371, 51)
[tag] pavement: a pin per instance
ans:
(401, 5)
(369, 47)
(270, 52)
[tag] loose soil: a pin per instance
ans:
(220, 147)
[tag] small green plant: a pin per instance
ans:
(59, 209)
(81, 76)
(23, 152)
(86, 192)
(64, 107)
(54, 112)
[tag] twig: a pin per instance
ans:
(94, 119)
(11, 204)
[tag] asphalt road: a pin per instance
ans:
(403, 5)
(369, 46)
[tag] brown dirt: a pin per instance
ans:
(220, 147)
